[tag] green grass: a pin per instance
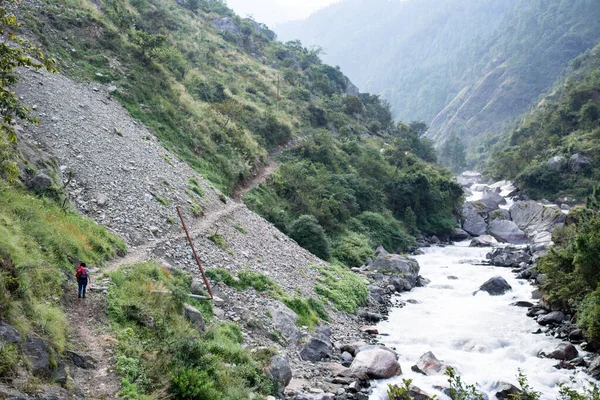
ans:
(39, 245)
(219, 241)
(344, 288)
(195, 187)
(245, 280)
(172, 356)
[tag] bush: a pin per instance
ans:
(307, 232)
(193, 384)
(310, 310)
(353, 249)
(385, 231)
(345, 289)
(589, 315)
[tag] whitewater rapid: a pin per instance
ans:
(483, 337)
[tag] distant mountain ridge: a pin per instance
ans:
(469, 68)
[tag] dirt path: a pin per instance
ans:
(89, 331)
(240, 190)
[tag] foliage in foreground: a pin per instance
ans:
(572, 266)
(159, 350)
(458, 390)
(39, 244)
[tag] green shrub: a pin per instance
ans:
(345, 289)
(9, 360)
(386, 231)
(589, 315)
(396, 392)
(246, 279)
(353, 249)
(307, 232)
(192, 384)
(310, 310)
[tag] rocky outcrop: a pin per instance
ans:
(557, 163)
(225, 24)
(284, 321)
(36, 353)
(397, 264)
(473, 219)
(377, 363)
(535, 219)
(507, 232)
(496, 286)
(579, 162)
(492, 201)
(194, 316)
(8, 334)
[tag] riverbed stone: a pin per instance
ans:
(564, 352)
(377, 363)
(352, 347)
(473, 219)
(459, 235)
(397, 264)
(428, 364)
(553, 318)
(492, 201)
(504, 390)
(318, 347)
(507, 232)
(483, 241)
(496, 286)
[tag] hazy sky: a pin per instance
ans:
(272, 12)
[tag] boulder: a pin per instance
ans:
(377, 363)
(400, 284)
(194, 316)
(473, 220)
(578, 163)
(557, 163)
(594, 368)
(280, 372)
(564, 352)
(428, 364)
(553, 318)
(504, 390)
(8, 334)
(370, 316)
(284, 321)
(483, 241)
(533, 217)
(36, 353)
(197, 287)
(500, 214)
(352, 347)
(522, 303)
(468, 178)
(318, 347)
(376, 294)
(507, 232)
(509, 257)
(85, 362)
(492, 201)
(459, 235)
(40, 182)
(496, 286)
(397, 264)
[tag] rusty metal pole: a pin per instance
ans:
(206, 283)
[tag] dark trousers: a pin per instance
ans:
(82, 286)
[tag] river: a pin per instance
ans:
(482, 336)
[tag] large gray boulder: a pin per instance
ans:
(318, 347)
(8, 334)
(284, 321)
(397, 264)
(377, 363)
(507, 232)
(483, 241)
(428, 364)
(509, 256)
(459, 235)
(36, 353)
(473, 220)
(280, 372)
(533, 217)
(496, 286)
(578, 163)
(553, 318)
(492, 201)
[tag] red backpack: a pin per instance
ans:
(81, 274)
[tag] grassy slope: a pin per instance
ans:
(565, 122)
(39, 245)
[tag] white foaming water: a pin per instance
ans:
(481, 336)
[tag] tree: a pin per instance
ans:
(307, 232)
(15, 52)
(453, 154)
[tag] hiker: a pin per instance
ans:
(83, 276)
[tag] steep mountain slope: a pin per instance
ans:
(554, 151)
(413, 53)
(469, 70)
(533, 45)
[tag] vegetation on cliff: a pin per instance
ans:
(565, 123)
